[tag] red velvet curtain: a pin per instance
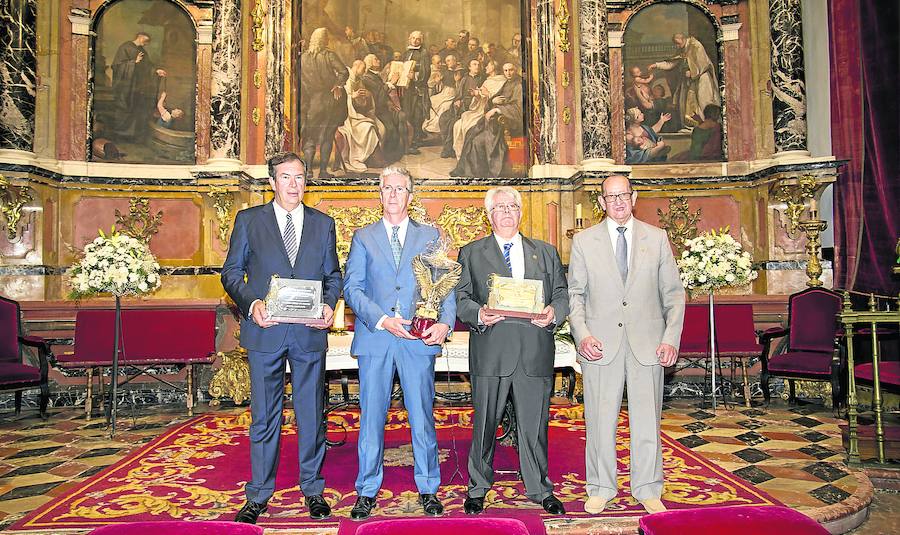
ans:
(865, 129)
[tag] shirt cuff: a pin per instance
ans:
(250, 310)
(380, 325)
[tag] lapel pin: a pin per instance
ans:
(534, 257)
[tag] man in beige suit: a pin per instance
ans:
(627, 308)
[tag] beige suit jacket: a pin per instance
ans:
(644, 311)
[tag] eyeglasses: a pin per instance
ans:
(625, 196)
(399, 190)
(511, 207)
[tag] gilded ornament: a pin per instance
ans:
(813, 228)
(257, 79)
(139, 223)
(567, 115)
(562, 23)
(258, 18)
(795, 195)
(596, 209)
(418, 213)
(346, 220)
(222, 202)
(255, 116)
(463, 224)
(679, 223)
(12, 199)
(233, 378)
(565, 79)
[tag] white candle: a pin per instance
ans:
(578, 211)
(339, 316)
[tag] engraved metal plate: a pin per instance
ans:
(520, 298)
(294, 300)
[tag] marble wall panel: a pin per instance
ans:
(275, 72)
(595, 73)
(17, 74)
(225, 94)
(788, 81)
(546, 76)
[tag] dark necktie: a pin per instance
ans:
(290, 239)
(506, 249)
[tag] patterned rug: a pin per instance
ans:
(197, 470)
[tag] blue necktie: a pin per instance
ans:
(290, 239)
(395, 245)
(506, 248)
(622, 253)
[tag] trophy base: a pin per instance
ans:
(516, 314)
(420, 325)
(309, 322)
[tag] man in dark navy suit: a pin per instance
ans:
(287, 239)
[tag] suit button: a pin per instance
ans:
(393, 309)
(624, 303)
(620, 325)
(397, 288)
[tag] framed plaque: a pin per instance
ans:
(295, 301)
(515, 298)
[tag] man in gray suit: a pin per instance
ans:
(510, 354)
(627, 312)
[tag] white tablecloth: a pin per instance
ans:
(454, 358)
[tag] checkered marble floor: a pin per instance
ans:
(794, 454)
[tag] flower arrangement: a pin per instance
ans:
(715, 260)
(116, 264)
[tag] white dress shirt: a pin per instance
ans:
(281, 219)
(612, 227)
(516, 254)
(401, 235)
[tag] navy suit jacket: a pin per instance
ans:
(374, 285)
(257, 252)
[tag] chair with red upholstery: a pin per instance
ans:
(811, 351)
(733, 520)
(437, 526)
(177, 527)
(736, 338)
(15, 374)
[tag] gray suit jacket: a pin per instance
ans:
(497, 350)
(648, 309)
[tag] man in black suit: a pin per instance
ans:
(510, 355)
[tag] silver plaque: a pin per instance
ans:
(294, 300)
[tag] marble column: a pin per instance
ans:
(788, 83)
(225, 99)
(595, 110)
(17, 74)
(275, 73)
(546, 76)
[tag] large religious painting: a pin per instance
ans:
(673, 103)
(144, 84)
(435, 87)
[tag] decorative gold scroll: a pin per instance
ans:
(139, 223)
(222, 202)
(12, 199)
(679, 223)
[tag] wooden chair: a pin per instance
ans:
(16, 375)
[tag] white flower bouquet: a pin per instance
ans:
(715, 260)
(116, 264)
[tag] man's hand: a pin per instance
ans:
(488, 318)
(665, 117)
(139, 57)
(436, 334)
(492, 113)
(549, 314)
(395, 327)
(591, 348)
(328, 316)
(667, 355)
(161, 73)
(258, 314)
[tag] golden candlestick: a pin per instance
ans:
(579, 226)
(813, 228)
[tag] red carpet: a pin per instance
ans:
(197, 470)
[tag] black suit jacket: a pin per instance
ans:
(497, 350)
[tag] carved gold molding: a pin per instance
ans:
(562, 23)
(596, 210)
(257, 79)
(565, 79)
(233, 378)
(418, 213)
(679, 223)
(12, 199)
(346, 220)
(567, 115)
(139, 223)
(255, 115)
(796, 195)
(463, 224)
(222, 202)
(258, 19)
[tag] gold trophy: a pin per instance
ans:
(436, 276)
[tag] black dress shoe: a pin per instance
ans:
(250, 512)
(553, 506)
(318, 507)
(431, 505)
(474, 505)
(362, 509)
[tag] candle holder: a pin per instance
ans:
(579, 226)
(339, 326)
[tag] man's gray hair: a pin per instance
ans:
(491, 193)
(395, 170)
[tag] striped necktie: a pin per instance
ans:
(290, 239)
(396, 248)
(506, 249)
